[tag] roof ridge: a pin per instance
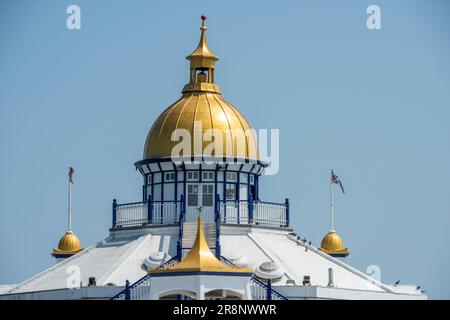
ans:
(53, 267)
(342, 264)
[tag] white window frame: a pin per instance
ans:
(192, 173)
(231, 173)
(171, 176)
(209, 175)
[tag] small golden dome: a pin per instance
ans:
(69, 244)
(200, 110)
(333, 245)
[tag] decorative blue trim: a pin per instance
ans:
(238, 194)
(269, 289)
(338, 255)
(114, 212)
(217, 220)
(180, 229)
(175, 195)
(124, 291)
(150, 209)
(153, 189)
(201, 159)
(63, 255)
(163, 177)
(250, 208)
(127, 290)
(286, 203)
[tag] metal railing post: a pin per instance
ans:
(286, 203)
(127, 290)
(217, 220)
(180, 229)
(269, 289)
(149, 209)
(224, 201)
(250, 208)
(114, 212)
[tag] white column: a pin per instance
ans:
(200, 292)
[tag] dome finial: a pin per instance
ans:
(202, 59)
(203, 27)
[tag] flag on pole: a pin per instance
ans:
(71, 173)
(335, 179)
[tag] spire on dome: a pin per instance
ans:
(202, 60)
(202, 52)
(200, 258)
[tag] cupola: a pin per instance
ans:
(202, 108)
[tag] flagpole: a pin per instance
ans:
(331, 201)
(69, 209)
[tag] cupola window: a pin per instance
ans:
(169, 176)
(207, 175)
(207, 195)
(192, 196)
(192, 175)
(231, 176)
(230, 191)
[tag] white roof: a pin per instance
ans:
(121, 256)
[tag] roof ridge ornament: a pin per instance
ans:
(201, 259)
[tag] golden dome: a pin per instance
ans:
(210, 111)
(200, 109)
(69, 244)
(201, 259)
(333, 245)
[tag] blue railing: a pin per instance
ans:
(146, 213)
(254, 212)
(217, 221)
(264, 291)
(249, 211)
(180, 229)
(141, 288)
(138, 290)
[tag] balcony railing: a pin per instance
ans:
(264, 291)
(145, 213)
(255, 212)
(250, 212)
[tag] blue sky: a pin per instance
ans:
(373, 105)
